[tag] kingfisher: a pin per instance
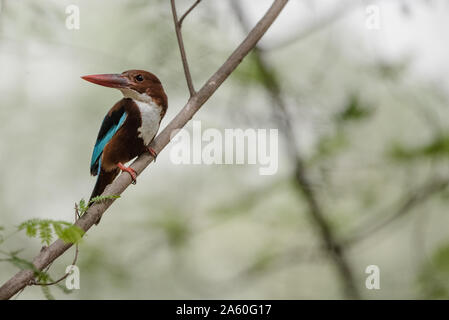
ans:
(129, 126)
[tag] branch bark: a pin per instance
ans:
(57, 248)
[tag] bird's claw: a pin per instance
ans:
(153, 153)
(131, 172)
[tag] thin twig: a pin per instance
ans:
(185, 63)
(187, 12)
(88, 219)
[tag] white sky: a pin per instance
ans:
(421, 34)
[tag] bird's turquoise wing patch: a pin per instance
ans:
(103, 139)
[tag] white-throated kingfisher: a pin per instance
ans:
(129, 126)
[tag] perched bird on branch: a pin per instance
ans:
(129, 127)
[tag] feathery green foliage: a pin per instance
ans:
(40, 276)
(66, 231)
(83, 206)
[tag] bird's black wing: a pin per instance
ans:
(111, 124)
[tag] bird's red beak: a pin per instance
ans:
(108, 80)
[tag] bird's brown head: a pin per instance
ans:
(136, 84)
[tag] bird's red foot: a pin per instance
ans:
(131, 171)
(152, 152)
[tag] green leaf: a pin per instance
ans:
(58, 229)
(43, 277)
(72, 234)
(103, 198)
(45, 232)
(30, 226)
(82, 206)
(66, 231)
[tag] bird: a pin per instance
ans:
(129, 126)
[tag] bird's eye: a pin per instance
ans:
(139, 78)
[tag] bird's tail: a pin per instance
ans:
(104, 178)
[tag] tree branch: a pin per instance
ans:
(57, 248)
(185, 63)
(332, 245)
(188, 11)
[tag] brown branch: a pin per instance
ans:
(197, 2)
(57, 248)
(332, 245)
(182, 50)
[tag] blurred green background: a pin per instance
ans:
(368, 111)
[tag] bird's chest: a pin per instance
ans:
(150, 115)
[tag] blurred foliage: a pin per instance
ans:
(437, 147)
(249, 72)
(354, 110)
(393, 70)
(184, 231)
(329, 145)
(433, 278)
(66, 231)
(252, 72)
(41, 277)
(175, 228)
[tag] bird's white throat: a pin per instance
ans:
(151, 118)
(150, 113)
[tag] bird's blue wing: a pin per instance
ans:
(111, 124)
